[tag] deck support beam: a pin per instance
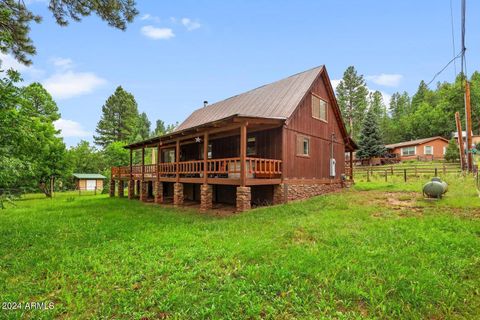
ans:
(244, 198)
(206, 197)
(351, 165)
(121, 188)
(143, 191)
(159, 192)
(131, 189)
(178, 194)
(112, 188)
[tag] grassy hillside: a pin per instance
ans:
(376, 251)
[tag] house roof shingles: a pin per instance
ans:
(276, 100)
(413, 142)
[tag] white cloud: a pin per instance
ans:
(384, 79)
(149, 17)
(63, 63)
(386, 96)
(70, 128)
(190, 24)
(69, 84)
(9, 62)
(335, 83)
(157, 33)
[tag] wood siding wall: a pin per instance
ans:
(437, 145)
(317, 165)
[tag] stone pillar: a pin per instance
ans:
(143, 190)
(244, 198)
(177, 194)
(121, 187)
(206, 197)
(159, 192)
(279, 194)
(131, 189)
(112, 188)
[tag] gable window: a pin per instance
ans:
(408, 151)
(319, 108)
(303, 146)
(251, 146)
(428, 150)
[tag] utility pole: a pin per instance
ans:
(460, 140)
(468, 126)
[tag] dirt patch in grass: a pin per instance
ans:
(398, 204)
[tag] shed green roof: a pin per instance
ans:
(88, 176)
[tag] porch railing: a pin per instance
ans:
(259, 168)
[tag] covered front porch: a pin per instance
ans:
(238, 152)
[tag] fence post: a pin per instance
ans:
(391, 170)
(386, 175)
(436, 172)
(444, 169)
(368, 176)
(405, 175)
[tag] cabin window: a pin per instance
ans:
(408, 151)
(251, 146)
(169, 155)
(428, 150)
(209, 151)
(444, 150)
(303, 145)
(319, 108)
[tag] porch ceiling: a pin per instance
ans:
(217, 129)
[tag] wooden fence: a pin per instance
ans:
(406, 171)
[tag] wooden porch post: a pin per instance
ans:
(131, 161)
(158, 161)
(243, 154)
(143, 162)
(351, 165)
(205, 157)
(177, 160)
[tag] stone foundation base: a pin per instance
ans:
(131, 189)
(159, 192)
(143, 190)
(305, 191)
(121, 188)
(244, 198)
(177, 194)
(112, 188)
(206, 198)
(279, 194)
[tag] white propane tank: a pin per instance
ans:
(332, 167)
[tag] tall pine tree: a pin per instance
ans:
(119, 119)
(370, 144)
(352, 95)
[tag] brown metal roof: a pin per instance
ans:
(276, 100)
(413, 142)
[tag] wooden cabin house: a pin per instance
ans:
(426, 149)
(88, 181)
(276, 143)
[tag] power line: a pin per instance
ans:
(453, 37)
(460, 54)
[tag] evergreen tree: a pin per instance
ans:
(452, 153)
(370, 143)
(119, 119)
(161, 129)
(15, 20)
(143, 127)
(352, 98)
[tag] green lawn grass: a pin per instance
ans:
(375, 251)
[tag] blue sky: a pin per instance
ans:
(178, 53)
